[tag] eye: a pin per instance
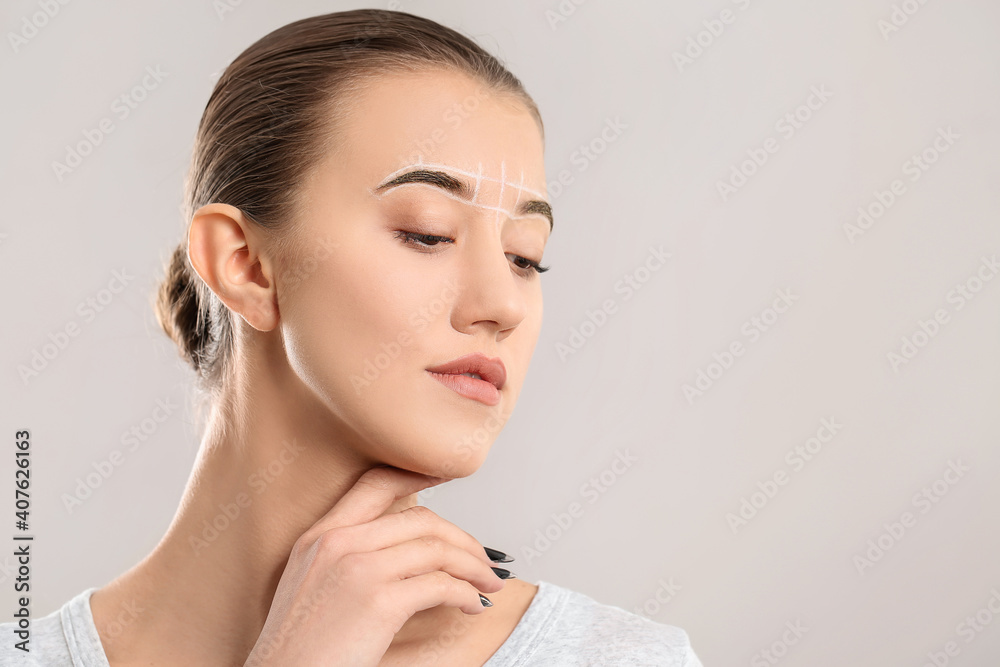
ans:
(525, 267)
(421, 240)
(529, 266)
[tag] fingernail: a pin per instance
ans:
(503, 574)
(485, 600)
(497, 556)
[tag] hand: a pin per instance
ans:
(355, 576)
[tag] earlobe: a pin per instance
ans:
(225, 249)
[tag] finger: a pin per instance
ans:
(429, 553)
(410, 524)
(372, 494)
(432, 589)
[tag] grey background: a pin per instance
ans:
(662, 523)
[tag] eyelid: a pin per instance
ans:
(407, 237)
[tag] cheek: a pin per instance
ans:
(525, 337)
(358, 320)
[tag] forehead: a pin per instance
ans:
(443, 118)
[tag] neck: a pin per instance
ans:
(271, 463)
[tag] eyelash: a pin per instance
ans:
(409, 238)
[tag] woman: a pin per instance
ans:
(359, 296)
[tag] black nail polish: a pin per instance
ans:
(485, 600)
(503, 574)
(497, 556)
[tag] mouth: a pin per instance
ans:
(474, 376)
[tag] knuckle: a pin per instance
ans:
(332, 543)
(443, 583)
(303, 544)
(421, 514)
(352, 566)
(433, 543)
(381, 600)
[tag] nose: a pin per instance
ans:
(490, 295)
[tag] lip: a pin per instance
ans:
(491, 370)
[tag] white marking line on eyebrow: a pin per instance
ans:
(479, 180)
(520, 189)
(445, 167)
(503, 182)
(452, 195)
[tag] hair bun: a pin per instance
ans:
(177, 307)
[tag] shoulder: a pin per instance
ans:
(50, 641)
(602, 634)
(565, 627)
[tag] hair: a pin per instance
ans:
(272, 114)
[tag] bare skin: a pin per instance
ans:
(301, 423)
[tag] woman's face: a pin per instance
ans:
(424, 235)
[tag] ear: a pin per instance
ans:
(225, 248)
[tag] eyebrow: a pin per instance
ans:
(462, 190)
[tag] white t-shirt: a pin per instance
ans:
(560, 628)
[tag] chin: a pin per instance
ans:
(447, 464)
(455, 466)
(452, 442)
(454, 469)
